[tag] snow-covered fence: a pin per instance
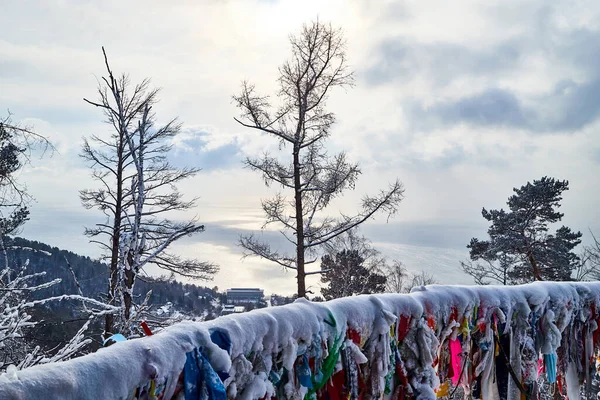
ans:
(493, 341)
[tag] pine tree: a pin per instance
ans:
(521, 247)
(346, 274)
(16, 146)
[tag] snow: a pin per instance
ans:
(263, 338)
(31, 250)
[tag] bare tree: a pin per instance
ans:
(397, 277)
(487, 271)
(400, 280)
(352, 240)
(137, 191)
(421, 279)
(314, 178)
(593, 254)
(589, 265)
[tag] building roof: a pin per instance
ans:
(244, 290)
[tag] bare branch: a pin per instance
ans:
(256, 248)
(386, 201)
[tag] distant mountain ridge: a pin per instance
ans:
(92, 276)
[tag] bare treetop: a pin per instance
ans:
(318, 63)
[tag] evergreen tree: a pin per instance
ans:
(16, 146)
(346, 275)
(521, 247)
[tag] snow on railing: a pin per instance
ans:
(491, 340)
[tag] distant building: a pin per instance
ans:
(244, 295)
(231, 309)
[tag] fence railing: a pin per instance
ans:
(489, 341)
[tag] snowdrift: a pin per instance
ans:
(491, 340)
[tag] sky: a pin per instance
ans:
(461, 101)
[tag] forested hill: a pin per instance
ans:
(93, 278)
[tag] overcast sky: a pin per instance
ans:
(461, 101)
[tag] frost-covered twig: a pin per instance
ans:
(16, 317)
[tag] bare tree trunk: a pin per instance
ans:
(129, 280)
(116, 237)
(301, 276)
(133, 251)
(4, 252)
